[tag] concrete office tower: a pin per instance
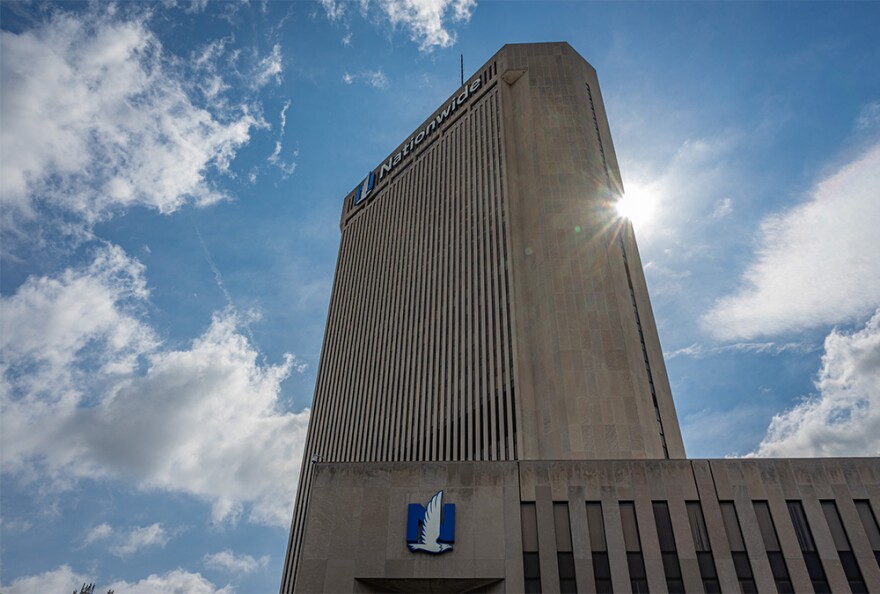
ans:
(491, 358)
(489, 304)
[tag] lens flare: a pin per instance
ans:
(637, 205)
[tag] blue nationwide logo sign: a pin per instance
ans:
(365, 189)
(431, 529)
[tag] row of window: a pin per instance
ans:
(702, 545)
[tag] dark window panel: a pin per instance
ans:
(664, 526)
(596, 525)
(602, 573)
(780, 572)
(531, 562)
(844, 550)
(869, 521)
(765, 523)
(567, 579)
(531, 565)
(707, 565)
(562, 525)
(566, 565)
(838, 533)
(670, 566)
(816, 572)
(636, 564)
(601, 566)
(630, 526)
(852, 572)
(742, 565)
(866, 514)
(731, 526)
(698, 526)
(532, 573)
(638, 579)
(777, 564)
(801, 526)
(808, 546)
(529, 521)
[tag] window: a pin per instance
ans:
(844, 550)
(738, 548)
(635, 561)
(564, 554)
(601, 566)
(532, 572)
(808, 547)
(771, 544)
(671, 566)
(531, 562)
(703, 548)
(869, 521)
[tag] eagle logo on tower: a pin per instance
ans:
(431, 529)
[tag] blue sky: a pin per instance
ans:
(171, 180)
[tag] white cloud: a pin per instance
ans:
(197, 6)
(869, 117)
(375, 78)
(59, 331)
(270, 68)
(287, 168)
(139, 538)
(843, 418)
(173, 582)
(284, 116)
(698, 351)
(64, 579)
(427, 20)
(89, 392)
(99, 532)
(723, 208)
(14, 526)
(97, 117)
(335, 9)
(229, 561)
(816, 264)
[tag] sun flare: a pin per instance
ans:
(637, 205)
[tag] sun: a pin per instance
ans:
(637, 205)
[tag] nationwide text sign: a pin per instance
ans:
(366, 187)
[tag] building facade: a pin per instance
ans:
(490, 337)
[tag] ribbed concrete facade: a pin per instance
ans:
(418, 362)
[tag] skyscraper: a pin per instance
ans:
(490, 348)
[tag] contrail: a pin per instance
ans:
(218, 278)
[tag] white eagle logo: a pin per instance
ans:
(431, 528)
